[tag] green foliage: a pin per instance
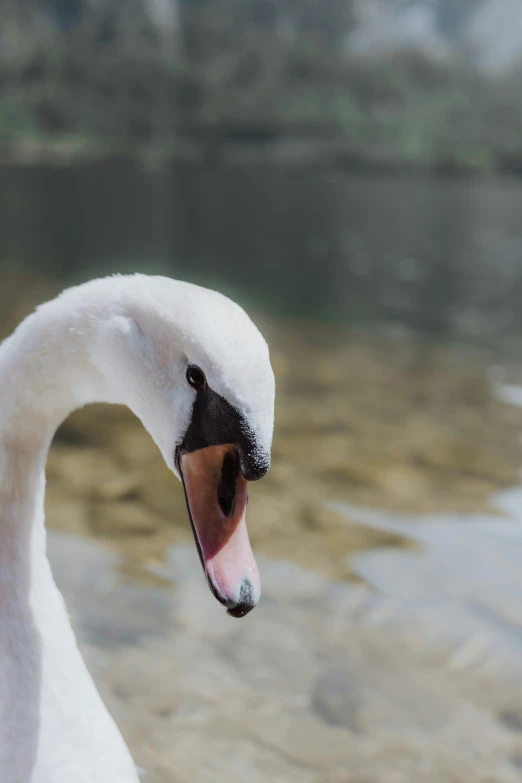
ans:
(123, 84)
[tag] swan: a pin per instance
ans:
(194, 368)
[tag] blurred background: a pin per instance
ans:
(349, 171)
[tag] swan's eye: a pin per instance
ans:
(196, 378)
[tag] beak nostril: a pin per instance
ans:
(225, 504)
(227, 485)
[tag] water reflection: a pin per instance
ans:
(441, 256)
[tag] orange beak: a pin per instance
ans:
(217, 496)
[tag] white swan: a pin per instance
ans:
(196, 371)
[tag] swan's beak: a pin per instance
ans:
(216, 495)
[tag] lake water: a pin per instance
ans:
(442, 256)
(388, 644)
(412, 675)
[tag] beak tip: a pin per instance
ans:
(247, 600)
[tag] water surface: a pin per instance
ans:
(439, 255)
(411, 675)
(387, 646)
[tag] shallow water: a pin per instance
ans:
(411, 675)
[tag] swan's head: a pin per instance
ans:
(196, 370)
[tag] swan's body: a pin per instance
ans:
(125, 340)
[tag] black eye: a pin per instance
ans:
(196, 377)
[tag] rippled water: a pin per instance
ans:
(463, 583)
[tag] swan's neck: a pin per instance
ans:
(46, 371)
(51, 717)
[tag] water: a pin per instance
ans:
(441, 256)
(462, 586)
(411, 675)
